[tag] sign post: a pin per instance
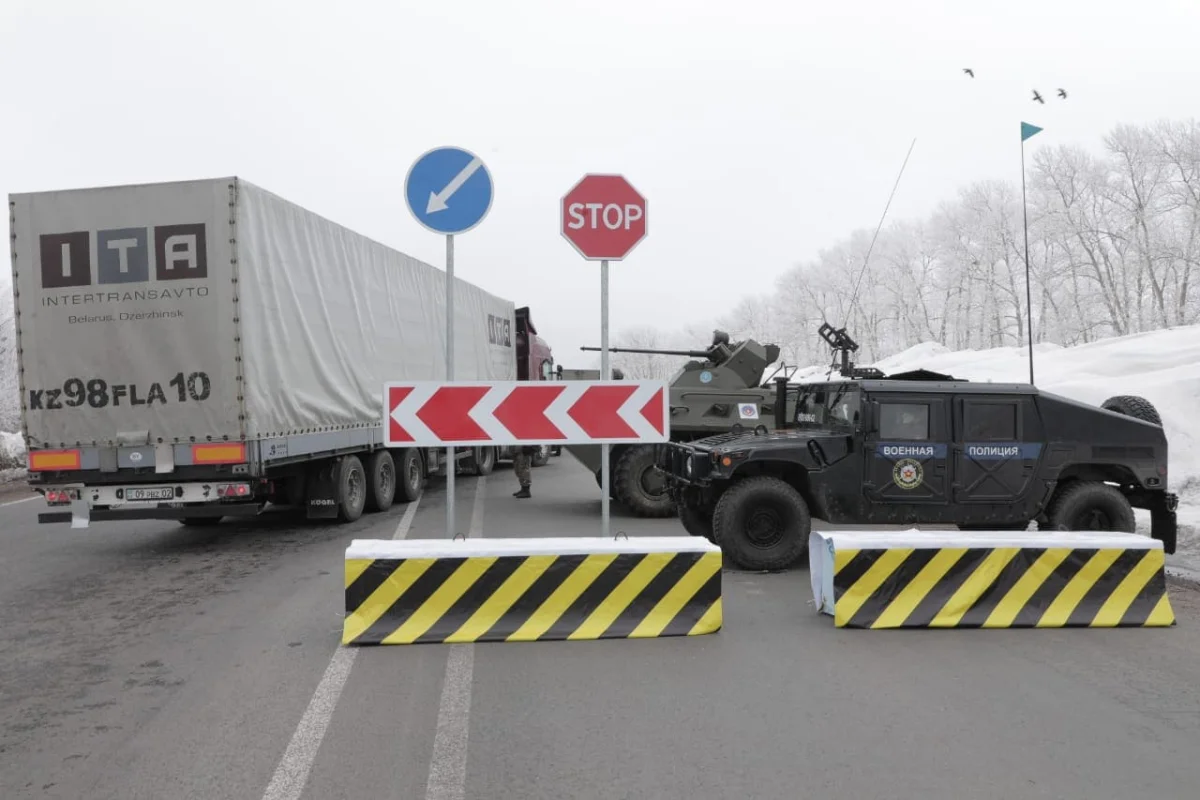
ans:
(604, 218)
(449, 191)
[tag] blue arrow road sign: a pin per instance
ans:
(448, 190)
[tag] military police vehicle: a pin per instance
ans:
(920, 448)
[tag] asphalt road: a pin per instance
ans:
(154, 661)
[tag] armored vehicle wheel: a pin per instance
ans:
(351, 490)
(410, 475)
(638, 485)
(696, 521)
(200, 522)
(1133, 406)
(482, 460)
(541, 458)
(612, 493)
(1088, 506)
(381, 488)
(762, 523)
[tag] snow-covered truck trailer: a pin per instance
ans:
(194, 350)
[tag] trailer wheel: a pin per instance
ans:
(410, 475)
(381, 489)
(482, 460)
(542, 457)
(352, 489)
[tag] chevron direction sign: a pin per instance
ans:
(457, 413)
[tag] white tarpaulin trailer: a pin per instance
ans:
(157, 323)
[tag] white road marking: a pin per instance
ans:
(26, 500)
(448, 766)
(291, 775)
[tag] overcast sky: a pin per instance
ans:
(759, 131)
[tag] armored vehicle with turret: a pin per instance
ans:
(721, 389)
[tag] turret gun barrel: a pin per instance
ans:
(651, 351)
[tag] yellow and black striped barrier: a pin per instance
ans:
(1028, 579)
(521, 590)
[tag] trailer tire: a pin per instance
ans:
(381, 489)
(200, 522)
(410, 476)
(482, 460)
(351, 489)
(542, 457)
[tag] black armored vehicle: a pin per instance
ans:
(920, 448)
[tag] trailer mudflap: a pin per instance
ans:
(322, 490)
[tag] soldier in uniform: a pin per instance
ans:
(521, 464)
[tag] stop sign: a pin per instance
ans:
(603, 217)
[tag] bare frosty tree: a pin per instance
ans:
(1114, 246)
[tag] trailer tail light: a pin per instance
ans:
(233, 490)
(47, 460)
(219, 453)
(61, 497)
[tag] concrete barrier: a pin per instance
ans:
(951, 579)
(518, 590)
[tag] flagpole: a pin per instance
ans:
(1027, 131)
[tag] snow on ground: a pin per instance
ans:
(12, 456)
(1162, 366)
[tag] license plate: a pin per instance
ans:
(164, 493)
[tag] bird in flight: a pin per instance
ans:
(1038, 97)
(1062, 93)
(969, 71)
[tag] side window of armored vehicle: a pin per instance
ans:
(990, 421)
(904, 421)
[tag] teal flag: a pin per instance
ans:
(1028, 130)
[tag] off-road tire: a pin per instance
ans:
(612, 488)
(200, 522)
(770, 502)
(1133, 406)
(351, 489)
(541, 458)
(410, 478)
(1078, 506)
(381, 488)
(482, 460)
(696, 521)
(627, 484)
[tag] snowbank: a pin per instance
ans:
(12, 456)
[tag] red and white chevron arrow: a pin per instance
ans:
(435, 414)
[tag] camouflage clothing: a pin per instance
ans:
(521, 465)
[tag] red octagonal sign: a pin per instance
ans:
(603, 217)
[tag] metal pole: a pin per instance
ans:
(1028, 290)
(451, 465)
(606, 375)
